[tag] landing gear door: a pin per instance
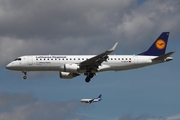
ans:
(30, 60)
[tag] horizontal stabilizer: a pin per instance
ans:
(162, 57)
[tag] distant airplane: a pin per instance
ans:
(92, 100)
(70, 66)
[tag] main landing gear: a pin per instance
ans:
(89, 76)
(25, 73)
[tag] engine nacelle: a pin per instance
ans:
(67, 75)
(69, 68)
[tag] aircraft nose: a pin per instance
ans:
(8, 66)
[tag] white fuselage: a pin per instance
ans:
(90, 100)
(70, 66)
(55, 62)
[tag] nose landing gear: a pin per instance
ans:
(25, 73)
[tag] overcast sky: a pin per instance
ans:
(29, 27)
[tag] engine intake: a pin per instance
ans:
(69, 68)
(67, 75)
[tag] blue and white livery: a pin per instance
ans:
(91, 100)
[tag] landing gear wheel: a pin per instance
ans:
(87, 79)
(25, 77)
(91, 75)
(25, 73)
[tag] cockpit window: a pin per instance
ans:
(17, 59)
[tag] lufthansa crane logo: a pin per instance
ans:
(160, 44)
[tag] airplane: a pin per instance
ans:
(70, 66)
(92, 100)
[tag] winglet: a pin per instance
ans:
(113, 48)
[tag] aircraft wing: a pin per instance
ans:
(90, 101)
(95, 61)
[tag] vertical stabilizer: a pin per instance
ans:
(100, 96)
(159, 46)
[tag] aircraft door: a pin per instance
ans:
(30, 60)
(135, 60)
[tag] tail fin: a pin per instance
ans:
(100, 96)
(158, 48)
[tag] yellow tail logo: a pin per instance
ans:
(160, 44)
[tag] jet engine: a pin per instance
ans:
(67, 75)
(69, 68)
